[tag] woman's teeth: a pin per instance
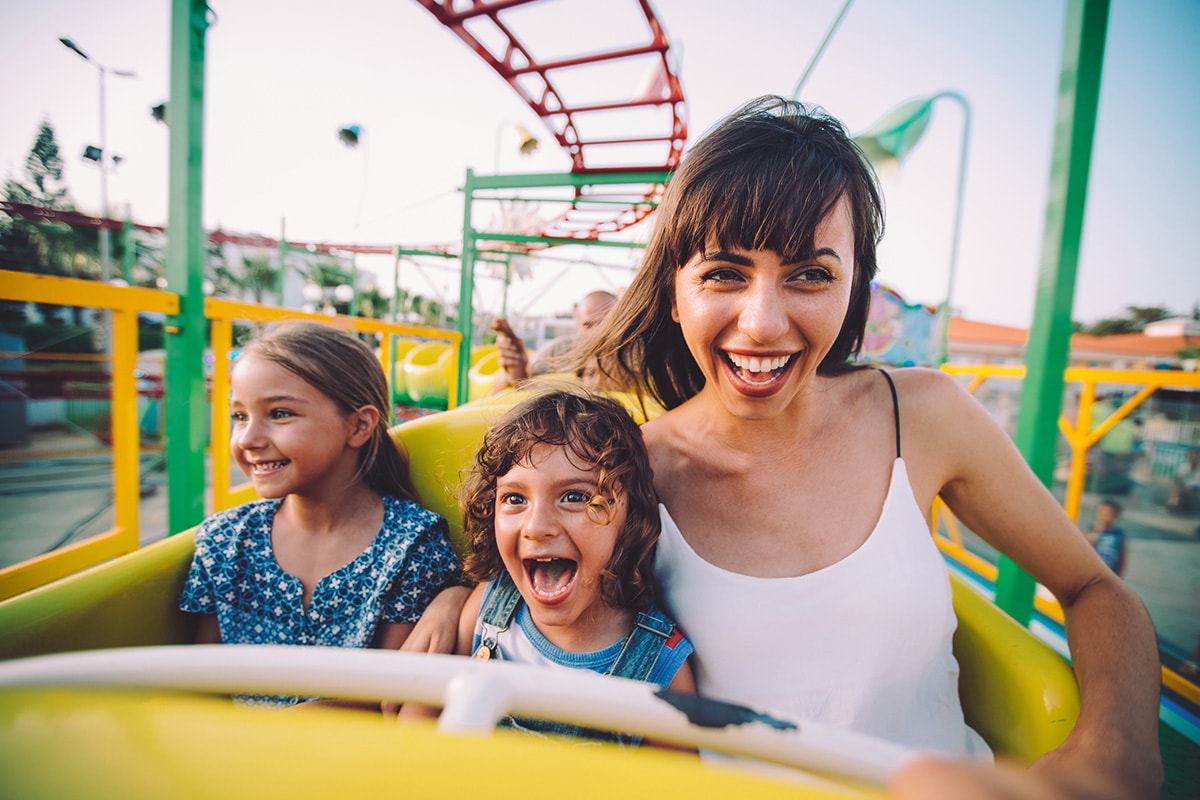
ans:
(756, 364)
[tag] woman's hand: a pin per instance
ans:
(437, 629)
(935, 779)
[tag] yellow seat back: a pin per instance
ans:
(1016, 691)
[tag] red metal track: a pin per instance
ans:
(536, 81)
(593, 211)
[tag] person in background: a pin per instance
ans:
(518, 367)
(1185, 483)
(1107, 538)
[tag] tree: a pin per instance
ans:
(1135, 320)
(258, 276)
(40, 245)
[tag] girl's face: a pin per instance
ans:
(555, 549)
(287, 436)
(757, 327)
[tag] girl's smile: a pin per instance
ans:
(287, 436)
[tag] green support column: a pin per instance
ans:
(1050, 336)
(396, 283)
(186, 401)
(466, 290)
(281, 273)
(128, 251)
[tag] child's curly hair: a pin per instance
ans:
(598, 431)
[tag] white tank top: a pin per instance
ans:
(863, 644)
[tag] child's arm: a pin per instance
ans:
(208, 631)
(684, 682)
(466, 631)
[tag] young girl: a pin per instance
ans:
(562, 518)
(338, 553)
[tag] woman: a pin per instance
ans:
(796, 486)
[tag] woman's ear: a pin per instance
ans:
(362, 425)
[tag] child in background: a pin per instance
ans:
(1106, 537)
(338, 553)
(562, 518)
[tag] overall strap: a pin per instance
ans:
(643, 645)
(895, 407)
(496, 616)
(503, 602)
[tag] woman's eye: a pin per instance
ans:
(721, 275)
(814, 275)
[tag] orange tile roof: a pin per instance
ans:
(967, 332)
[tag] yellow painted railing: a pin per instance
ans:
(125, 303)
(223, 313)
(1080, 435)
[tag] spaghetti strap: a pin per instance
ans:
(895, 407)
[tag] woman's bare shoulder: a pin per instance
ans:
(926, 392)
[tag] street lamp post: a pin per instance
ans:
(103, 160)
(892, 138)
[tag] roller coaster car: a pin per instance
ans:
(58, 738)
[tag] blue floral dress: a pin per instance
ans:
(235, 576)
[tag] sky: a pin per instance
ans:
(284, 75)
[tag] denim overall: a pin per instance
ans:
(650, 632)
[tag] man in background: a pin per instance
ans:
(516, 364)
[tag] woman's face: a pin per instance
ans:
(757, 327)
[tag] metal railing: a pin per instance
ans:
(125, 303)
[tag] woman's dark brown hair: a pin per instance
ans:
(762, 179)
(598, 432)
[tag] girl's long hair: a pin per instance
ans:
(343, 368)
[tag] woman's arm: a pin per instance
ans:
(437, 629)
(392, 635)
(462, 647)
(978, 471)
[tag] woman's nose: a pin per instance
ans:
(763, 317)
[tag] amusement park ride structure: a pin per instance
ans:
(598, 199)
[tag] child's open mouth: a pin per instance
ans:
(550, 579)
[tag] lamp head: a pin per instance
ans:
(67, 43)
(92, 153)
(529, 143)
(159, 112)
(349, 135)
(895, 135)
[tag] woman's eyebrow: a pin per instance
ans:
(820, 251)
(745, 261)
(725, 255)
